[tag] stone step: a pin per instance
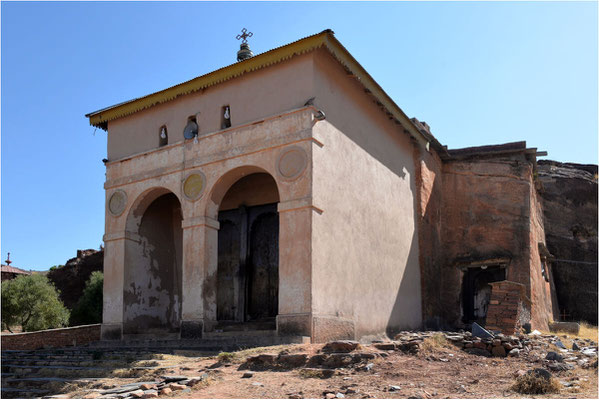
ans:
(77, 362)
(213, 342)
(39, 382)
(18, 393)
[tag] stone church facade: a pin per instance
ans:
(287, 192)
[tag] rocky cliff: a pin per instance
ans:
(569, 193)
(70, 279)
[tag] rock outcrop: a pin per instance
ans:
(71, 278)
(569, 193)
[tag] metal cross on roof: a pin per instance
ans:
(244, 35)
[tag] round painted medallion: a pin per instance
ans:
(292, 162)
(117, 203)
(193, 186)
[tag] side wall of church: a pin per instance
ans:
(365, 266)
(259, 94)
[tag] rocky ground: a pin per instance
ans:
(415, 365)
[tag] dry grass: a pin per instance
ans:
(129, 373)
(225, 357)
(242, 355)
(587, 331)
(314, 373)
(535, 384)
(435, 342)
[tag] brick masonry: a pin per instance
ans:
(509, 307)
(74, 336)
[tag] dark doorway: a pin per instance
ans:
(248, 255)
(248, 265)
(476, 292)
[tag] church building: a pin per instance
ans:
(288, 193)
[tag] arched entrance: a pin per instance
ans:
(153, 266)
(248, 254)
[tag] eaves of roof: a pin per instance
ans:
(13, 270)
(325, 39)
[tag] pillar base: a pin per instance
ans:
(192, 329)
(328, 328)
(111, 331)
(294, 324)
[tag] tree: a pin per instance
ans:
(88, 309)
(32, 302)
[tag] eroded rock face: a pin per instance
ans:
(569, 193)
(71, 278)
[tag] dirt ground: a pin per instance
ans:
(438, 373)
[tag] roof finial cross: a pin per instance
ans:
(8, 259)
(244, 35)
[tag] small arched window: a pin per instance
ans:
(162, 136)
(191, 129)
(225, 117)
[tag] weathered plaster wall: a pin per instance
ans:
(486, 214)
(365, 269)
(262, 93)
(153, 276)
(429, 181)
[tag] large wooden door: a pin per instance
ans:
(248, 264)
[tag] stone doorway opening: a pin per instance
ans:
(248, 255)
(476, 291)
(153, 268)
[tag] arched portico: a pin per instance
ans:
(152, 272)
(242, 276)
(247, 278)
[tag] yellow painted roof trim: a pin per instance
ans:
(326, 38)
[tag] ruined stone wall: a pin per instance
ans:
(71, 278)
(485, 215)
(75, 336)
(569, 195)
(542, 308)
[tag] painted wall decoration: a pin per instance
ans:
(193, 185)
(117, 203)
(292, 162)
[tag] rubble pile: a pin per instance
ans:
(165, 385)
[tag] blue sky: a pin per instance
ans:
(478, 73)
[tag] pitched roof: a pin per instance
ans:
(13, 270)
(325, 39)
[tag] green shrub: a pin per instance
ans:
(88, 309)
(32, 302)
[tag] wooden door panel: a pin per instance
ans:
(263, 265)
(248, 264)
(228, 265)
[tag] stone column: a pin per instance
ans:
(114, 267)
(295, 268)
(197, 254)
